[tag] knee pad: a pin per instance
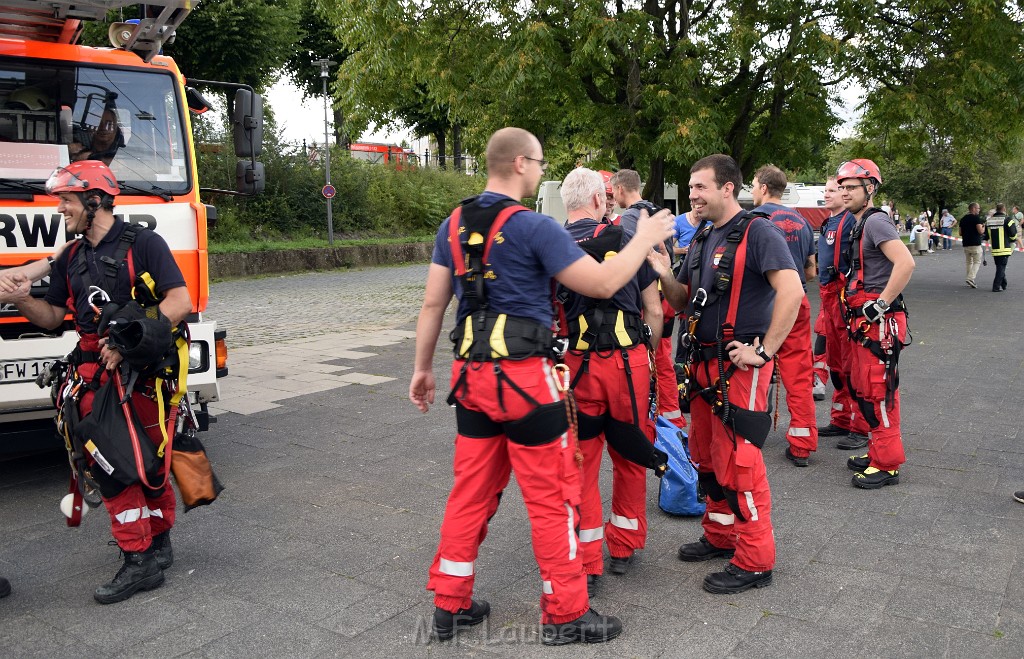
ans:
(837, 380)
(470, 423)
(733, 499)
(709, 484)
(589, 426)
(819, 344)
(631, 443)
(867, 408)
(543, 425)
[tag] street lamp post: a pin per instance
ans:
(325, 65)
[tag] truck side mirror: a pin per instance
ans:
(247, 124)
(249, 178)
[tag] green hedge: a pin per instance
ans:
(373, 200)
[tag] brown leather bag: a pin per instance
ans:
(197, 483)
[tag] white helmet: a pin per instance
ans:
(29, 98)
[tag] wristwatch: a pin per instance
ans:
(760, 352)
(882, 304)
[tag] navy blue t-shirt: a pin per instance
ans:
(833, 242)
(766, 251)
(534, 249)
(799, 234)
(628, 297)
(149, 253)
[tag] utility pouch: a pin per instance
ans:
(543, 425)
(752, 426)
(197, 483)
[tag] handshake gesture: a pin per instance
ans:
(15, 285)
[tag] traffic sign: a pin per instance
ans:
(329, 191)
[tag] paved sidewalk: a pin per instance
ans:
(336, 484)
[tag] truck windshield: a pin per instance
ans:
(55, 113)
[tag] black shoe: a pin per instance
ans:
(447, 623)
(591, 627)
(162, 549)
(734, 579)
(592, 581)
(5, 587)
(997, 290)
(832, 430)
(702, 550)
(873, 479)
(798, 461)
(139, 572)
(858, 462)
(852, 442)
(1019, 496)
(618, 565)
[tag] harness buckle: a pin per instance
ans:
(700, 298)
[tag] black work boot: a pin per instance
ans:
(702, 550)
(5, 587)
(139, 572)
(162, 549)
(873, 479)
(591, 627)
(852, 442)
(447, 623)
(734, 579)
(619, 565)
(858, 462)
(798, 460)
(832, 430)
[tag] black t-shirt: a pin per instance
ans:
(149, 254)
(628, 298)
(969, 230)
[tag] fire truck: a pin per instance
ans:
(376, 152)
(58, 98)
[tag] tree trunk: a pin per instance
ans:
(654, 190)
(457, 147)
(340, 138)
(439, 136)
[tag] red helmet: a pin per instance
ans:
(859, 168)
(82, 176)
(607, 176)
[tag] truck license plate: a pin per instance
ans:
(23, 370)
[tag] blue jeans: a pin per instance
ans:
(947, 243)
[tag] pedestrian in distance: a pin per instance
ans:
(498, 258)
(947, 222)
(1002, 232)
(742, 293)
(98, 270)
(880, 268)
(972, 228)
(795, 363)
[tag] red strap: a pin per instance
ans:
(459, 261)
(67, 273)
(136, 446)
(76, 501)
(738, 266)
(131, 269)
(600, 227)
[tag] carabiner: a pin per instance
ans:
(95, 291)
(561, 375)
(700, 298)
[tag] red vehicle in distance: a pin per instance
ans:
(376, 152)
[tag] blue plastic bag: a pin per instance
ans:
(678, 493)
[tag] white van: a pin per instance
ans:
(549, 200)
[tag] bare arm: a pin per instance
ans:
(654, 315)
(601, 280)
(428, 328)
(39, 312)
(902, 267)
(176, 305)
(811, 267)
(788, 295)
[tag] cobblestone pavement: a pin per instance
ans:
(335, 488)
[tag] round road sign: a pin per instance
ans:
(329, 191)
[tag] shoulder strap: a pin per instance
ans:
(732, 260)
(72, 251)
(470, 256)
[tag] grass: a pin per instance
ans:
(240, 246)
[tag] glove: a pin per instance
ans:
(873, 311)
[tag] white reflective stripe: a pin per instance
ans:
(819, 364)
(750, 506)
(673, 415)
(885, 415)
(572, 533)
(456, 568)
(724, 520)
(799, 432)
(129, 516)
(152, 512)
(753, 389)
(546, 586)
(591, 535)
(628, 523)
(837, 406)
(549, 377)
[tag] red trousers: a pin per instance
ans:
(603, 390)
(797, 376)
(838, 349)
(548, 477)
(137, 513)
(870, 382)
(820, 358)
(668, 387)
(737, 465)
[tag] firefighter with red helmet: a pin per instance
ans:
(499, 259)
(741, 290)
(98, 273)
(880, 266)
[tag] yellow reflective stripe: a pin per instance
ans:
(620, 329)
(467, 337)
(580, 343)
(497, 340)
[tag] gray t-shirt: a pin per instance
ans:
(877, 268)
